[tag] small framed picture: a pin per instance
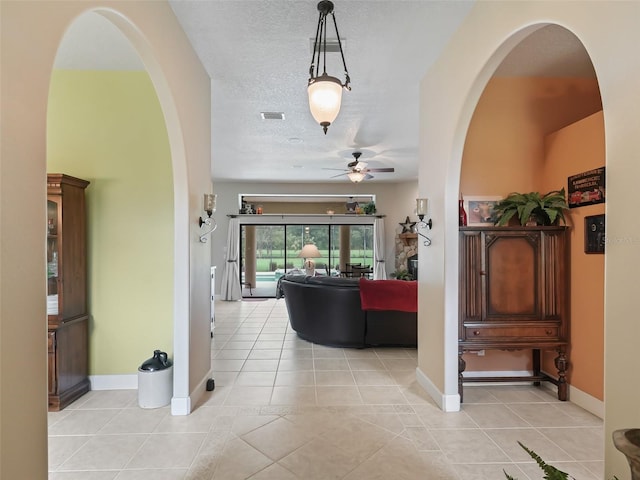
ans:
(594, 234)
(480, 210)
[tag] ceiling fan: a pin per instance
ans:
(358, 171)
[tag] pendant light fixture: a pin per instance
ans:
(325, 91)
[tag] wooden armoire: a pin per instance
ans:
(514, 293)
(67, 317)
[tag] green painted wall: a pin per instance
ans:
(107, 127)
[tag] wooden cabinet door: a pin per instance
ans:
(511, 273)
(512, 285)
(52, 364)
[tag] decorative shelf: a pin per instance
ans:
(406, 237)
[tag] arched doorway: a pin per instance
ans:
(138, 290)
(539, 121)
(451, 192)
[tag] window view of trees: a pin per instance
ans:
(277, 246)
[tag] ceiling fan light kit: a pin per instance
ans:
(325, 91)
(356, 177)
(358, 171)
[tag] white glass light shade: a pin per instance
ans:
(325, 98)
(356, 177)
(421, 206)
(309, 251)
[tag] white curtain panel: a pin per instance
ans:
(379, 270)
(231, 289)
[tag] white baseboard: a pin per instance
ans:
(179, 405)
(576, 396)
(197, 393)
(447, 403)
(582, 399)
(114, 382)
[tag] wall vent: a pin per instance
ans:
(272, 115)
(332, 45)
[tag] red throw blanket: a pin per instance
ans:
(397, 295)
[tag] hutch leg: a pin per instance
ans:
(461, 366)
(561, 364)
(536, 365)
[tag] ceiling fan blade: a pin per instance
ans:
(386, 169)
(368, 176)
(338, 169)
(339, 175)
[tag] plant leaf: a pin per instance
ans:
(505, 217)
(551, 473)
(526, 212)
(509, 477)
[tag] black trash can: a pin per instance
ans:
(155, 381)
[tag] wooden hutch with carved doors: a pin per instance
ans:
(514, 293)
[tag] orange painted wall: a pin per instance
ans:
(571, 150)
(505, 150)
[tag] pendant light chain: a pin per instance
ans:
(344, 63)
(316, 48)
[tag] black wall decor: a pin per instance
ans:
(594, 234)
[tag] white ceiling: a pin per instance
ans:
(258, 55)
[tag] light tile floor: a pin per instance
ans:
(286, 409)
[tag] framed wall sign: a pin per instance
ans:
(594, 234)
(586, 188)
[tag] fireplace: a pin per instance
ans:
(412, 266)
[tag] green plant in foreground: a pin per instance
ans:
(550, 472)
(544, 209)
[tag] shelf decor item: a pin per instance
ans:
(462, 214)
(479, 210)
(369, 208)
(544, 210)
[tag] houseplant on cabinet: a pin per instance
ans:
(544, 209)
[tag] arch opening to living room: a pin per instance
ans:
(111, 119)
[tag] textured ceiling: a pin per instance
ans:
(258, 54)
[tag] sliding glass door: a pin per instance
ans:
(269, 251)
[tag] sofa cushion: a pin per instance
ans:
(396, 295)
(295, 277)
(333, 281)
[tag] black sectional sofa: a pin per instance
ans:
(328, 311)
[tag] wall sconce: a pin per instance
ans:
(421, 210)
(209, 207)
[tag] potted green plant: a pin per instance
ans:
(545, 209)
(369, 208)
(402, 275)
